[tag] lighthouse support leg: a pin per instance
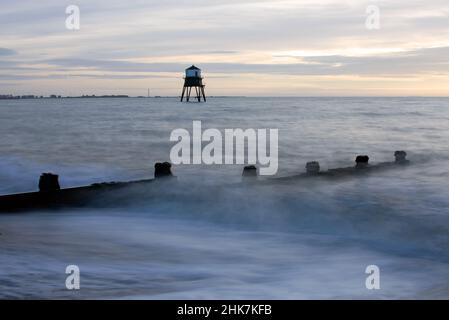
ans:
(204, 94)
(183, 91)
(197, 91)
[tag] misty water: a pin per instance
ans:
(209, 236)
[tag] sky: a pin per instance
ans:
(244, 47)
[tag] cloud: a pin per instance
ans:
(434, 60)
(226, 38)
(407, 63)
(7, 52)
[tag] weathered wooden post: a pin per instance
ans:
(162, 169)
(361, 161)
(49, 182)
(313, 167)
(249, 172)
(400, 157)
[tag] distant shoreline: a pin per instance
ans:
(32, 97)
(54, 97)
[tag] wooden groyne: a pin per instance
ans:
(51, 195)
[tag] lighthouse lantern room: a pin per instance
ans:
(194, 80)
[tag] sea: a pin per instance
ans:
(209, 236)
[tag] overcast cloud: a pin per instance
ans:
(293, 47)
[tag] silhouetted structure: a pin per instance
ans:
(193, 79)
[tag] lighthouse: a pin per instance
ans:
(193, 79)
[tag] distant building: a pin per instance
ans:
(8, 96)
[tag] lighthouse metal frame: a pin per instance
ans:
(193, 82)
